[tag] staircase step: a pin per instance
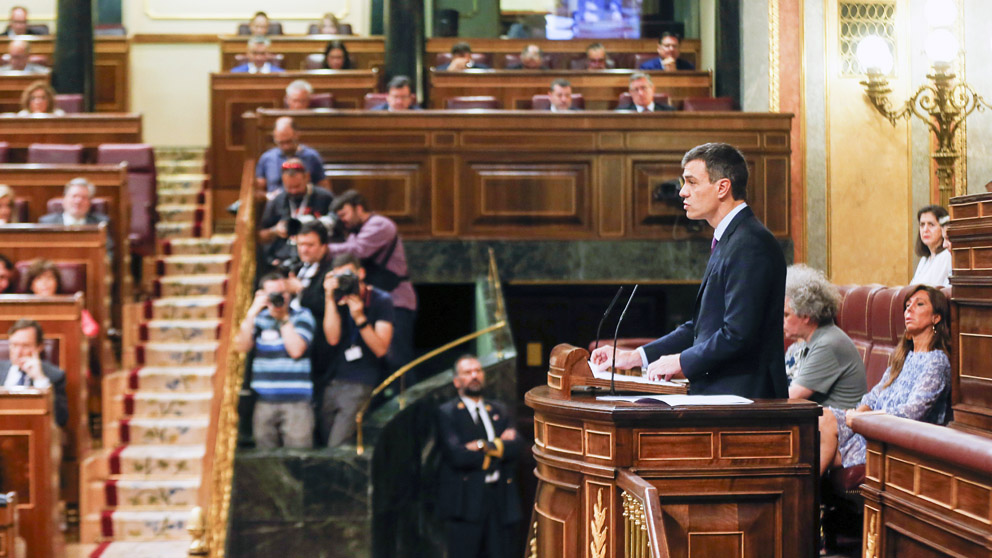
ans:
(159, 431)
(128, 494)
(193, 182)
(132, 525)
(168, 213)
(169, 231)
(180, 197)
(177, 354)
(196, 285)
(145, 461)
(164, 331)
(187, 308)
(188, 379)
(216, 244)
(166, 404)
(211, 264)
(144, 549)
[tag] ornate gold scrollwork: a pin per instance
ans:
(871, 537)
(598, 528)
(533, 541)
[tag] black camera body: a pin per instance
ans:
(278, 300)
(347, 285)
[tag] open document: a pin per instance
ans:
(677, 400)
(605, 375)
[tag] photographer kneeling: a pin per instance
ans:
(358, 324)
(281, 336)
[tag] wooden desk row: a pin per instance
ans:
(88, 129)
(111, 87)
(524, 175)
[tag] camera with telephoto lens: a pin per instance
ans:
(277, 299)
(347, 285)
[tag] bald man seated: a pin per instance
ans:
(268, 171)
(20, 56)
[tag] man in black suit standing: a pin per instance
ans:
(478, 497)
(25, 367)
(733, 344)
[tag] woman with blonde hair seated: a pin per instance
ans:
(916, 385)
(7, 215)
(38, 99)
(329, 24)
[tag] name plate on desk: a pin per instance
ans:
(569, 368)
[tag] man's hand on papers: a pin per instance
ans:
(664, 368)
(603, 357)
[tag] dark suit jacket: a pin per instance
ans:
(733, 345)
(91, 219)
(444, 67)
(312, 298)
(630, 107)
(462, 477)
(54, 375)
(385, 106)
(520, 66)
(243, 68)
(655, 64)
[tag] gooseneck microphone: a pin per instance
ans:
(616, 335)
(605, 314)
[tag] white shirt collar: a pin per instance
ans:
(725, 222)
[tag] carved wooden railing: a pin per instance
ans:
(643, 529)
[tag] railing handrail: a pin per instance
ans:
(409, 366)
(648, 495)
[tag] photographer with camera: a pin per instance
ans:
(358, 324)
(375, 241)
(281, 337)
(298, 202)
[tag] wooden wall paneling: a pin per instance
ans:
(88, 129)
(621, 50)
(600, 89)
(27, 449)
(612, 188)
(366, 52)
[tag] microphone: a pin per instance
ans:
(616, 335)
(605, 314)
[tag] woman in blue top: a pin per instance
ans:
(916, 385)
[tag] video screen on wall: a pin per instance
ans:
(594, 19)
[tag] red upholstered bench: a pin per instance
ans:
(141, 177)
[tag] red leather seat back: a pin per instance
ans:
(543, 102)
(713, 104)
(4, 151)
(100, 205)
(20, 211)
(49, 350)
(853, 317)
(885, 334)
(374, 99)
(313, 61)
(69, 102)
(55, 153)
(322, 100)
(141, 178)
(659, 99)
(73, 276)
(476, 102)
(477, 58)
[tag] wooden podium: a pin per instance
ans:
(618, 479)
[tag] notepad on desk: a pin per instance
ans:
(677, 400)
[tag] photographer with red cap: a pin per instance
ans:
(298, 202)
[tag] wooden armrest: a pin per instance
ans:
(969, 451)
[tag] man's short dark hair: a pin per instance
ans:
(460, 49)
(722, 161)
(399, 82)
(560, 82)
(344, 259)
(24, 323)
(5, 261)
(271, 276)
(668, 34)
(349, 197)
(317, 228)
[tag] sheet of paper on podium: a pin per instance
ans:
(677, 400)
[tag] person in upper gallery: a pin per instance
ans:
(641, 90)
(733, 343)
(259, 24)
(8, 275)
(45, 279)
(38, 99)
(358, 324)
(258, 58)
(269, 169)
(298, 94)
(336, 56)
(329, 25)
(560, 94)
(596, 58)
(77, 205)
(461, 59)
(26, 342)
(282, 338)
(916, 385)
(400, 96)
(297, 202)
(376, 241)
(480, 447)
(934, 268)
(20, 59)
(7, 215)
(18, 23)
(669, 45)
(829, 369)
(531, 58)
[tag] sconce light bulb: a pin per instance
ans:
(940, 13)
(874, 55)
(942, 46)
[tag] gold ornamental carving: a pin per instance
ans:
(597, 528)
(532, 545)
(871, 537)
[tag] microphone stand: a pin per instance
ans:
(605, 314)
(616, 335)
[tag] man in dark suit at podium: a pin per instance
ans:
(478, 497)
(733, 344)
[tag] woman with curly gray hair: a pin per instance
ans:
(830, 370)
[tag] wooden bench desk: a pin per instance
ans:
(88, 129)
(366, 52)
(622, 51)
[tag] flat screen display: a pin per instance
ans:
(594, 19)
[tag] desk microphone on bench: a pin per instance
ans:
(616, 335)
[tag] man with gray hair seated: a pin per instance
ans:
(258, 58)
(829, 370)
(20, 59)
(77, 202)
(298, 94)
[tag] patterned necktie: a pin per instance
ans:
(713, 244)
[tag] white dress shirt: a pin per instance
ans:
(478, 409)
(15, 376)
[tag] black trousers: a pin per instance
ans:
(489, 537)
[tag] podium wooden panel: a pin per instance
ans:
(28, 452)
(727, 481)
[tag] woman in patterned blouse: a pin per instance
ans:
(916, 385)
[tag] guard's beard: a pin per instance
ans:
(473, 391)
